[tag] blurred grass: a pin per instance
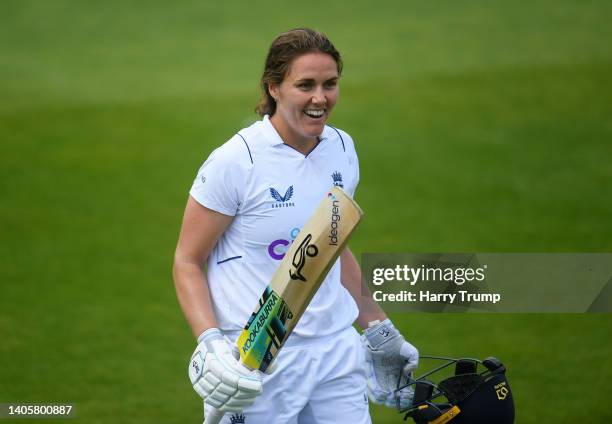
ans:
(480, 127)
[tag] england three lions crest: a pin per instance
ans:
(337, 177)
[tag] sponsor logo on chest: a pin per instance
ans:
(280, 201)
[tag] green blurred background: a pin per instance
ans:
(481, 126)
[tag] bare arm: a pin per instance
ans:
(200, 231)
(350, 275)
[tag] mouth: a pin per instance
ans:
(315, 113)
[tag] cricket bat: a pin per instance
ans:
(295, 282)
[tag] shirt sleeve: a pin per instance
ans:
(221, 180)
(351, 184)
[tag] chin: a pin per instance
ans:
(314, 130)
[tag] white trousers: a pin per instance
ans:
(317, 381)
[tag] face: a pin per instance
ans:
(305, 98)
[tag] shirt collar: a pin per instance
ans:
(270, 132)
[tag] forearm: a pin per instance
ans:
(194, 296)
(351, 278)
(201, 229)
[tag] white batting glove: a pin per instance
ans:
(388, 358)
(218, 377)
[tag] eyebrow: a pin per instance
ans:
(312, 79)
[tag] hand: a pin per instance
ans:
(218, 377)
(389, 358)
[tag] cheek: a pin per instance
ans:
(332, 98)
(292, 102)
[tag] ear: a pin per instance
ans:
(273, 90)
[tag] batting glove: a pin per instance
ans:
(389, 358)
(218, 377)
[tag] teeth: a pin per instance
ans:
(315, 113)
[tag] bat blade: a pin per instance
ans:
(297, 279)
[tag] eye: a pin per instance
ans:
(304, 85)
(331, 84)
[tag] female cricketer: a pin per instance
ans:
(247, 203)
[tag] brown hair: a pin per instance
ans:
(284, 49)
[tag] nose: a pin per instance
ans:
(318, 97)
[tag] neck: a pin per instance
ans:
(304, 145)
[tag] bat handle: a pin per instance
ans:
(214, 416)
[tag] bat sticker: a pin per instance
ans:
(299, 259)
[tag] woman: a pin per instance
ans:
(246, 205)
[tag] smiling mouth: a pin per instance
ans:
(315, 113)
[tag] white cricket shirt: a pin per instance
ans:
(271, 190)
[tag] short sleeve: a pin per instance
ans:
(221, 181)
(351, 185)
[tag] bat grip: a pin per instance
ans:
(214, 416)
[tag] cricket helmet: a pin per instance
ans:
(476, 392)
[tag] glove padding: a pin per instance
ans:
(389, 359)
(218, 377)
